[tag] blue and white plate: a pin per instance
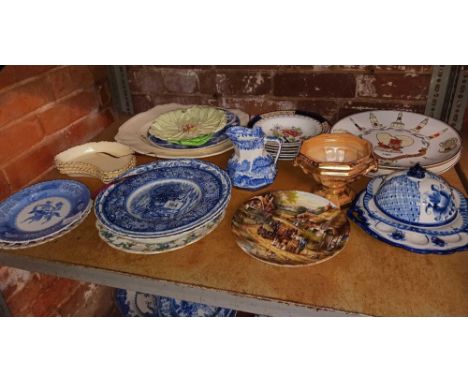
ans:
(164, 198)
(42, 210)
(409, 239)
(63, 231)
(170, 307)
(220, 136)
(136, 304)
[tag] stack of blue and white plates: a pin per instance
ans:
(137, 304)
(162, 206)
(42, 212)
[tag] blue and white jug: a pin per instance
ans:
(251, 166)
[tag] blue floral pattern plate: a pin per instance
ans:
(136, 304)
(164, 198)
(42, 210)
(59, 233)
(424, 243)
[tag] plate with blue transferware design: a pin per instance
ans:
(458, 224)
(170, 307)
(137, 304)
(218, 137)
(404, 238)
(164, 198)
(59, 233)
(42, 210)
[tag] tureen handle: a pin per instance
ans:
(279, 142)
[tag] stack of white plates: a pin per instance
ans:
(292, 127)
(162, 206)
(42, 212)
(402, 139)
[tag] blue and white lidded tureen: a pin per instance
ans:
(416, 197)
(414, 209)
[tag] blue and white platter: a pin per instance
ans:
(414, 209)
(164, 198)
(220, 136)
(136, 304)
(42, 211)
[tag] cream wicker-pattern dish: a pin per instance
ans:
(102, 160)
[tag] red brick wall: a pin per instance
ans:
(333, 91)
(45, 110)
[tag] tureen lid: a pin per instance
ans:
(416, 197)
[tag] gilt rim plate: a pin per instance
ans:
(42, 210)
(290, 228)
(403, 238)
(400, 139)
(164, 198)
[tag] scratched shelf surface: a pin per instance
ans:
(367, 277)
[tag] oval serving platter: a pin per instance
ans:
(134, 133)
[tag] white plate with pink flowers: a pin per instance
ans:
(292, 127)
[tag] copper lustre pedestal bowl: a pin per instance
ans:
(335, 161)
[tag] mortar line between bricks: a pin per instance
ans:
(276, 69)
(41, 176)
(49, 137)
(30, 79)
(49, 106)
(269, 97)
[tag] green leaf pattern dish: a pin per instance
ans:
(193, 126)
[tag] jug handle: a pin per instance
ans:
(280, 145)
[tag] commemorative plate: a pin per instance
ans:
(401, 139)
